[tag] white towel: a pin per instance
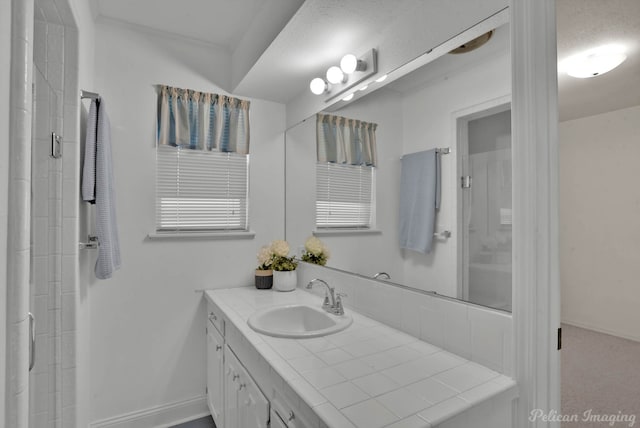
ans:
(98, 182)
(89, 164)
(419, 199)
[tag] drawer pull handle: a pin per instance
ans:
(235, 376)
(291, 416)
(213, 316)
(218, 347)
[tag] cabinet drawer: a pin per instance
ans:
(214, 315)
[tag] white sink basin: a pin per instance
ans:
(297, 321)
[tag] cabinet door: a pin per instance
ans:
(246, 406)
(215, 375)
(252, 404)
(231, 389)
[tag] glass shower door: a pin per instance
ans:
(487, 276)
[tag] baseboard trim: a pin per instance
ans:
(162, 416)
(600, 330)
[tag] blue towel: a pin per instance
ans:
(419, 199)
(106, 224)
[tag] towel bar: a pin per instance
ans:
(92, 243)
(444, 234)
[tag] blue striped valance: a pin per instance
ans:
(202, 121)
(345, 141)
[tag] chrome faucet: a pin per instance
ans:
(380, 274)
(332, 303)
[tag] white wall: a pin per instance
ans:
(600, 222)
(430, 122)
(362, 253)
(147, 330)
(5, 70)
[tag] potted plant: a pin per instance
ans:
(264, 274)
(284, 267)
(315, 251)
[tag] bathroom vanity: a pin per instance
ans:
(368, 375)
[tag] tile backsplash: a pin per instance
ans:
(476, 333)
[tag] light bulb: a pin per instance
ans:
(335, 75)
(348, 97)
(318, 86)
(381, 79)
(594, 62)
(349, 63)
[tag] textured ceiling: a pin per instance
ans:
(585, 24)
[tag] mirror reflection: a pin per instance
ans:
(411, 183)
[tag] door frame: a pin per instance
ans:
(534, 133)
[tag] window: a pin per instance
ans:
(202, 162)
(345, 173)
(345, 196)
(201, 190)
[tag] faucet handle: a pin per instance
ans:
(339, 309)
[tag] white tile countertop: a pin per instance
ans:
(369, 375)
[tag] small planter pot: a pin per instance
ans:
(285, 280)
(264, 279)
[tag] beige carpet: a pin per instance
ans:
(600, 373)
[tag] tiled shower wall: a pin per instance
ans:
(54, 216)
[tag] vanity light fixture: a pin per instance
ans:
(353, 70)
(594, 62)
(318, 86)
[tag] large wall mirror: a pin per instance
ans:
(459, 103)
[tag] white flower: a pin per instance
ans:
(280, 248)
(264, 256)
(314, 246)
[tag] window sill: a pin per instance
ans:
(235, 234)
(346, 232)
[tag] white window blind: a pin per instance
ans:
(345, 196)
(201, 190)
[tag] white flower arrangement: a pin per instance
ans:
(276, 257)
(315, 251)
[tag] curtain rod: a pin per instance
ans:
(91, 95)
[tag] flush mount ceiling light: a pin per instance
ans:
(353, 70)
(381, 79)
(348, 97)
(594, 62)
(318, 86)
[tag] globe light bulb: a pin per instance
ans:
(335, 75)
(318, 86)
(349, 63)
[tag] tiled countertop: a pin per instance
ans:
(369, 375)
